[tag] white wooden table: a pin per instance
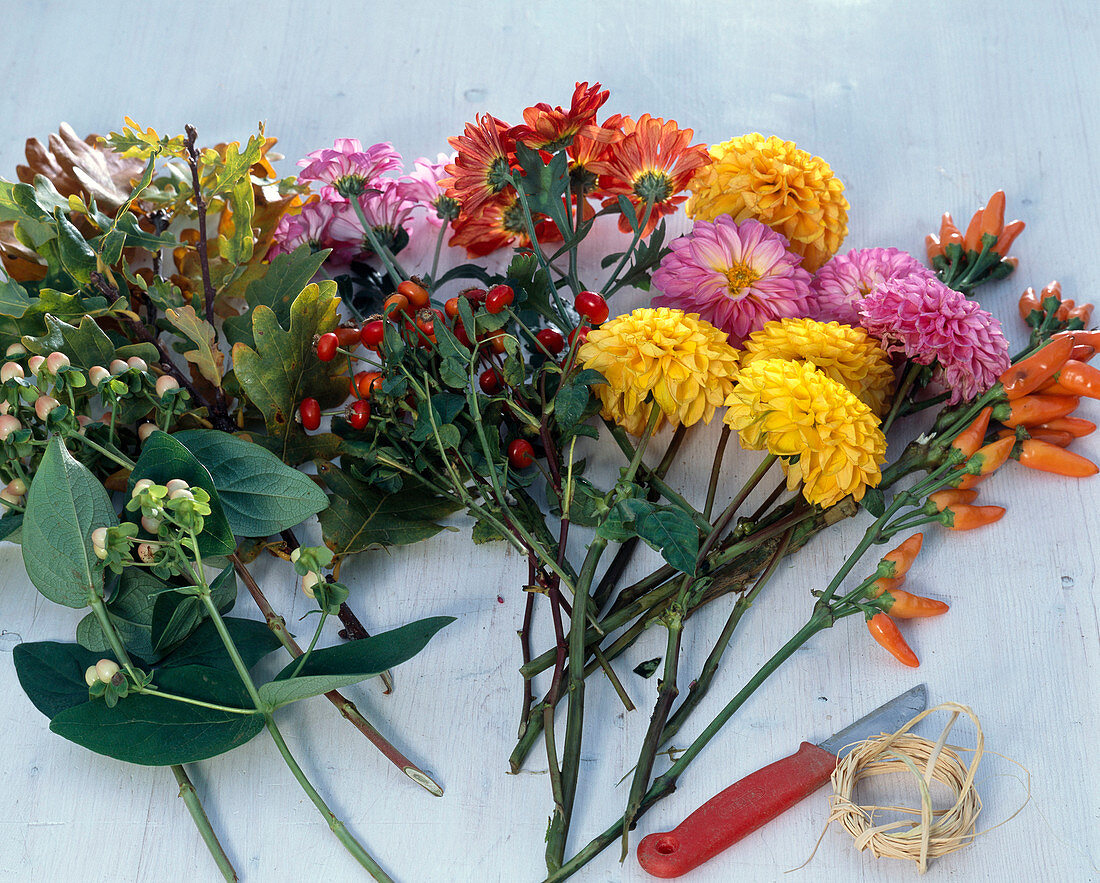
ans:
(920, 108)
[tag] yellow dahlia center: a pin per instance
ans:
(739, 277)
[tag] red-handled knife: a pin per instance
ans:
(759, 797)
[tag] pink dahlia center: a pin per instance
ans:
(739, 277)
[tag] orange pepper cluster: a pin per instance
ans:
(965, 261)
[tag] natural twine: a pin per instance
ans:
(938, 832)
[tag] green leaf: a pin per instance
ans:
(237, 247)
(10, 525)
(13, 299)
(253, 638)
(360, 516)
(130, 611)
(206, 356)
(445, 406)
(283, 369)
(87, 344)
(671, 531)
(284, 280)
(164, 458)
(874, 502)
(484, 532)
(336, 667)
(52, 674)
(260, 494)
(77, 256)
(620, 523)
(65, 504)
(545, 184)
(157, 732)
(177, 616)
(570, 402)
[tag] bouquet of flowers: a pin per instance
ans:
(153, 420)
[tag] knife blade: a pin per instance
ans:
(759, 797)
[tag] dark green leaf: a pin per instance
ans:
(64, 505)
(445, 406)
(647, 668)
(130, 611)
(484, 532)
(77, 257)
(13, 299)
(254, 641)
(259, 493)
(874, 502)
(454, 373)
(176, 616)
(570, 402)
(672, 532)
(9, 526)
(350, 663)
(164, 458)
(620, 523)
(284, 280)
(52, 674)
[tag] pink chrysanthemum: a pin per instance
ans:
(932, 324)
(422, 186)
(844, 281)
(308, 227)
(347, 167)
(735, 276)
(387, 208)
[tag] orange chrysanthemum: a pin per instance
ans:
(483, 166)
(653, 163)
(551, 128)
(590, 145)
(498, 224)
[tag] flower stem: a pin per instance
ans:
(338, 828)
(609, 287)
(202, 822)
(529, 221)
(111, 454)
(397, 274)
(438, 248)
(911, 374)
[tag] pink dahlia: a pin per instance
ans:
(932, 324)
(347, 167)
(735, 276)
(844, 281)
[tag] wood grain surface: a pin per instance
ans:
(919, 108)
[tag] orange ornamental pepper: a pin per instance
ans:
(905, 605)
(1029, 374)
(966, 517)
(951, 496)
(885, 584)
(1036, 454)
(1050, 436)
(1080, 379)
(1034, 409)
(1029, 303)
(993, 216)
(932, 247)
(992, 457)
(1051, 289)
(902, 557)
(949, 233)
(884, 630)
(972, 241)
(1075, 426)
(1083, 312)
(1008, 236)
(970, 439)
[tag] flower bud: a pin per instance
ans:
(140, 485)
(99, 542)
(118, 366)
(177, 484)
(17, 486)
(91, 676)
(146, 553)
(106, 669)
(308, 582)
(152, 525)
(35, 363)
(11, 371)
(166, 383)
(97, 374)
(56, 361)
(16, 349)
(146, 430)
(8, 425)
(43, 405)
(137, 363)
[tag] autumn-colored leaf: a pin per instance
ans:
(206, 356)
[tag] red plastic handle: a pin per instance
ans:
(738, 811)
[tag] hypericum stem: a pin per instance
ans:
(337, 827)
(231, 649)
(111, 454)
(202, 822)
(200, 207)
(389, 261)
(346, 707)
(302, 659)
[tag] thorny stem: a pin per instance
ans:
(346, 707)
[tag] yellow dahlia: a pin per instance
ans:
(687, 364)
(771, 180)
(829, 440)
(845, 354)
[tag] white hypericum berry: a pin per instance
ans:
(11, 371)
(140, 485)
(43, 405)
(166, 383)
(35, 363)
(106, 669)
(7, 496)
(177, 484)
(296, 554)
(97, 374)
(16, 349)
(5, 406)
(137, 363)
(152, 525)
(181, 494)
(56, 361)
(146, 553)
(99, 542)
(8, 425)
(118, 366)
(17, 486)
(91, 676)
(308, 582)
(146, 430)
